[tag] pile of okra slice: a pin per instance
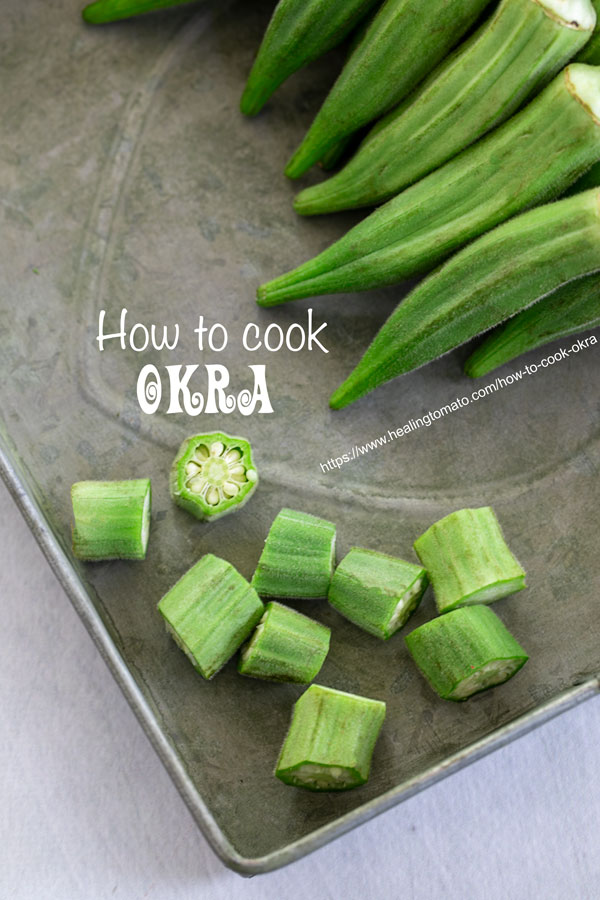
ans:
(212, 611)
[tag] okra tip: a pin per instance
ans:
(95, 13)
(252, 101)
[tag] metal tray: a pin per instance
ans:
(132, 181)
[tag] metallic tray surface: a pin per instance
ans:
(132, 181)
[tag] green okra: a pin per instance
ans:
(330, 742)
(298, 557)
(299, 32)
(213, 474)
(513, 55)
(375, 591)
(465, 651)
(467, 559)
(487, 282)
(286, 646)
(528, 160)
(402, 44)
(572, 308)
(591, 51)
(112, 519)
(210, 612)
(102, 11)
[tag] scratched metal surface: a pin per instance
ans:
(130, 180)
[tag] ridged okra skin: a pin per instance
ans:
(103, 11)
(402, 44)
(492, 279)
(465, 652)
(112, 519)
(330, 741)
(286, 646)
(298, 557)
(299, 32)
(468, 560)
(210, 612)
(508, 60)
(569, 310)
(213, 474)
(377, 592)
(528, 160)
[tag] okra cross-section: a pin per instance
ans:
(468, 560)
(213, 474)
(375, 591)
(330, 741)
(286, 646)
(112, 519)
(464, 652)
(298, 557)
(210, 612)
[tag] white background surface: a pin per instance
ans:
(89, 813)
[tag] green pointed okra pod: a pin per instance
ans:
(528, 160)
(210, 612)
(512, 56)
(286, 646)
(468, 559)
(102, 11)
(299, 32)
(213, 474)
(495, 277)
(330, 741)
(377, 592)
(112, 519)
(298, 557)
(465, 651)
(569, 310)
(402, 44)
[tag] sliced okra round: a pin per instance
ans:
(112, 519)
(468, 560)
(464, 652)
(210, 612)
(330, 741)
(377, 592)
(286, 646)
(213, 474)
(298, 557)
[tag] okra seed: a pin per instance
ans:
(230, 489)
(216, 448)
(233, 455)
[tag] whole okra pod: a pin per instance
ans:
(102, 11)
(402, 44)
(500, 274)
(572, 308)
(528, 160)
(299, 32)
(513, 55)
